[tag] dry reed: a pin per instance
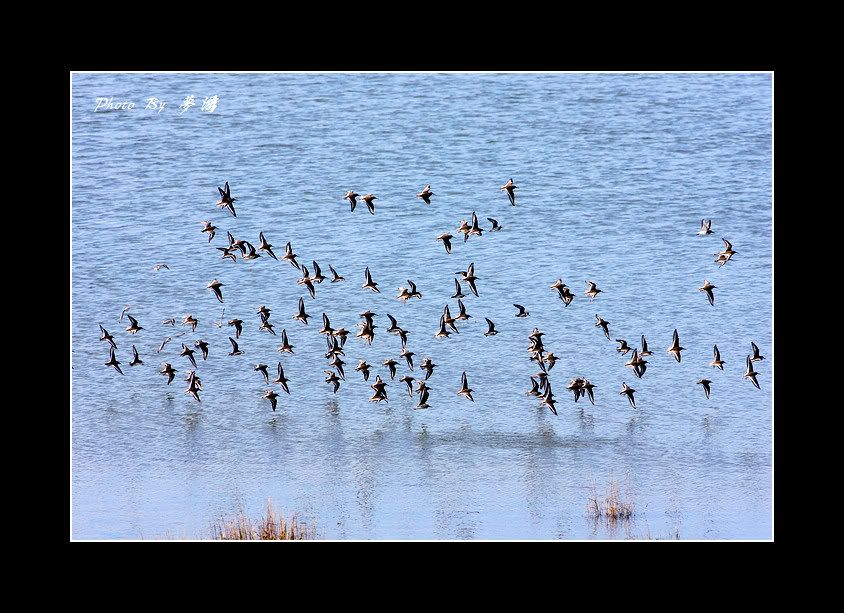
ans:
(273, 526)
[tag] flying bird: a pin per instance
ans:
(491, 331)
(629, 391)
(215, 287)
(113, 361)
(423, 399)
(428, 366)
(426, 194)
(370, 284)
(350, 196)
(465, 228)
(495, 225)
(265, 246)
(123, 312)
(133, 325)
(717, 362)
(167, 340)
(391, 364)
(307, 281)
(203, 347)
(317, 277)
(266, 325)
(408, 356)
(462, 315)
(603, 323)
(252, 255)
(470, 278)
(272, 397)
(756, 357)
(364, 368)
(169, 371)
(326, 325)
(705, 383)
(285, 346)
(380, 390)
(290, 256)
(335, 278)
(301, 315)
(465, 390)
(442, 332)
(593, 290)
(136, 359)
(522, 312)
(190, 320)
(211, 229)
(510, 189)
(368, 198)
(238, 326)
(708, 287)
(107, 337)
(446, 237)
(705, 228)
(408, 380)
(281, 379)
(226, 200)
(548, 399)
(187, 351)
(235, 350)
(588, 386)
(333, 379)
(476, 228)
(263, 370)
(228, 253)
(748, 374)
(675, 346)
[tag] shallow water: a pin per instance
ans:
(614, 174)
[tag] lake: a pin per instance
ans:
(614, 174)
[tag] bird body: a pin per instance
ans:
(675, 348)
(465, 390)
(705, 383)
(510, 189)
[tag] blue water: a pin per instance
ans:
(614, 174)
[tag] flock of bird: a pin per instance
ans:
(336, 337)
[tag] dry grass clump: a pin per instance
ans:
(612, 507)
(271, 527)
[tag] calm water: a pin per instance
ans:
(614, 174)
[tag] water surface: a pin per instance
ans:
(614, 174)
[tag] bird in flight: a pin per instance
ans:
(226, 200)
(426, 194)
(510, 189)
